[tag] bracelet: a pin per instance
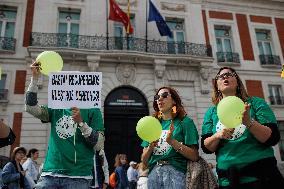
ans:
(250, 124)
(180, 148)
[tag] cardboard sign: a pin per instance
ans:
(74, 89)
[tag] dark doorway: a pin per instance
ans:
(124, 106)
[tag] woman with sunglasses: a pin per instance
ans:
(244, 155)
(167, 157)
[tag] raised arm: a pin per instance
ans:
(31, 102)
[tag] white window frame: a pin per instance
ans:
(265, 41)
(275, 87)
(69, 21)
(5, 21)
(276, 48)
(236, 44)
(230, 37)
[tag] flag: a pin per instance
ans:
(154, 15)
(116, 14)
(128, 15)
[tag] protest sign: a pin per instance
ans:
(74, 89)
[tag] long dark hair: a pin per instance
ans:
(240, 92)
(180, 112)
(32, 151)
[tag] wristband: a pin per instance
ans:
(250, 124)
(180, 148)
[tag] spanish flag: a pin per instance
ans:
(128, 14)
(116, 14)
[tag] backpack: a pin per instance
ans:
(113, 180)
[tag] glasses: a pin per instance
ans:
(225, 76)
(164, 95)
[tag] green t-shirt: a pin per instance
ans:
(68, 151)
(184, 131)
(243, 148)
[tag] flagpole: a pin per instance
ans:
(107, 24)
(128, 27)
(146, 41)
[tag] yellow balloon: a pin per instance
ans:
(149, 128)
(230, 111)
(49, 61)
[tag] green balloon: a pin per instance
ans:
(149, 128)
(49, 61)
(230, 111)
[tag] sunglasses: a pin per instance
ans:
(225, 76)
(164, 95)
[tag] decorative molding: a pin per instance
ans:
(179, 74)
(173, 7)
(160, 67)
(126, 73)
(93, 63)
(133, 3)
(205, 73)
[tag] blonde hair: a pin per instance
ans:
(118, 158)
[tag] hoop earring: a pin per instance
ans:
(160, 115)
(174, 109)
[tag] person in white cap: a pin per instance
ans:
(132, 175)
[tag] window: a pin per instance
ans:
(68, 27)
(275, 95)
(264, 42)
(265, 48)
(120, 32)
(3, 90)
(224, 43)
(281, 142)
(7, 28)
(176, 44)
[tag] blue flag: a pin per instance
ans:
(154, 15)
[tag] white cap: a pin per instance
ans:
(132, 163)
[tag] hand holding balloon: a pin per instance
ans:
(149, 128)
(49, 61)
(225, 133)
(35, 68)
(246, 116)
(230, 111)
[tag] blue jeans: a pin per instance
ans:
(166, 177)
(49, 182)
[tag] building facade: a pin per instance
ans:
(207, 34)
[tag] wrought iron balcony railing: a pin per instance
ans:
(7, 43)
(116, 43)
(228, 57)
(269, 59)
(3, 94)
(276, 100)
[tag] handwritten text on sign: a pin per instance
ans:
(74, 89)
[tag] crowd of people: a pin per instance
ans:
(75, 156)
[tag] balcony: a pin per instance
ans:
(117, 43)
(228, 57)
(7, 44)
(3, 95)
(269, 60)
(276, 100)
